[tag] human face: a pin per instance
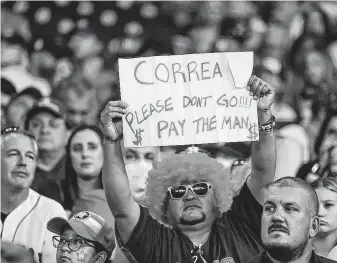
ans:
(138, 162)
(86, 253)
(191, 209)
(18, 161)
(286, 224)
(18, 109)
(315, 68)
(327, 211)
(49, 131)
(78, 109)
(86, 153)
(329, 145)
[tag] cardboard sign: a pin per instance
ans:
(188, 99)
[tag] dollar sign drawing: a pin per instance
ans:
(252, 132)
(138, 135)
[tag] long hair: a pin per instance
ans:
(329, 183)
(71, 175)
(190, 167)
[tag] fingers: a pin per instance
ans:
(257, 87)
(109, 115)
(115, 107)
(118, 103)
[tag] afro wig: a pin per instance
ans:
(187, 167)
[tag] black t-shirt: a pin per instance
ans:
(264, 258)
(235, 237)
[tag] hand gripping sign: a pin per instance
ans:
(188, 99)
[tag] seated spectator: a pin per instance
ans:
(15, 63)
(79, 98)
(325, 163)
(20, 104)
(289, 223)
(46, 121)
(325, 242)
(7, 92)
(83, 167)
(95, 201)
(11, 253)
(24, 212)
(86, 237)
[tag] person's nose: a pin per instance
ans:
(321, 211)
(278, 216)
(85, 153)
(189, 195)
(44, 129)
(22, 161)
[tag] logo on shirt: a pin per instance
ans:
(225, 260)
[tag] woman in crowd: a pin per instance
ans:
(325, 243)
(325, 164)
(84, 163)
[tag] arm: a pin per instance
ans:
(264, 150)
(116, 185)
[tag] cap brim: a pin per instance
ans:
(58, 224)
(37, 110)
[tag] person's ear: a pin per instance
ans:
(314, 227)
(100, 257)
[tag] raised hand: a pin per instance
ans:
(111, 119)
(262, 92)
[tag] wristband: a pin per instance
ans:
(268, 127)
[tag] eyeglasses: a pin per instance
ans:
(199, 189)
(17, 130)
(73, 244)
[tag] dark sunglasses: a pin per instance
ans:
(199, 189)
(17, 130)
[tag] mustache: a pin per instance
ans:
(278, 227)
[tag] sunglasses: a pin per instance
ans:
(17, 130)
(199, 189)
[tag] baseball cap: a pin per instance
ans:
(50, 105)
(87, 225)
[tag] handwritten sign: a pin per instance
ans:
(188, 99)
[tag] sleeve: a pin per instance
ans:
(148, 241)
(49, 251)
(247, 210)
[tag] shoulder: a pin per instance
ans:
(47, 206)
(258, 258)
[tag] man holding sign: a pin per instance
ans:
(190, 193)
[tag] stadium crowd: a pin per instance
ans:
(70, 190)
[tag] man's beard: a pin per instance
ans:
(193, 221)
(286, 253)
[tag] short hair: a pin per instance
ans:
(75, 82)
(313, 203)
(328, 183)
(189, 167)
(15, 130)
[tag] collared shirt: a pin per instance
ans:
(235, 237)
(27, 225)
(264, 258)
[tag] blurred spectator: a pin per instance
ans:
(325, 163)
(7, 92)
(14, 253)
(15, 65)
(20, 104)
(79, 98)
(138, 162)
(46, 121)
(24, 213)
